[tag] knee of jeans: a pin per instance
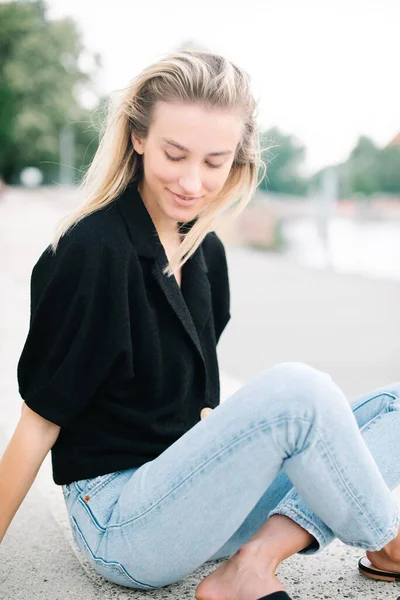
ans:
(298, 382)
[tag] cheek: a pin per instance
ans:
(215, 180)
(158, 170)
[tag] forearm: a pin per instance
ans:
(31, 442)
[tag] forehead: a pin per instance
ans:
(197, 128)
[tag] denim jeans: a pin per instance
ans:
(287, 442)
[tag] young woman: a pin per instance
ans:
(119, 370)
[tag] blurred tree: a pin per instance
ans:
(367, 171)
(40, 83)
(282, 155)
(362, 167)
(389, 169)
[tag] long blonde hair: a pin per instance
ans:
(188, 76)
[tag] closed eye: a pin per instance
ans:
(175, 159)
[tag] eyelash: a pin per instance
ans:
(177, 159)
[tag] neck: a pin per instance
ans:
(167, 229)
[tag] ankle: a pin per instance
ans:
(260, 552)
(393, 553)
(277, 539)
(392, 549)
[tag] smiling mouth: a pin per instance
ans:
(186, 197)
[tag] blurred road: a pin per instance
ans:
(345, 325)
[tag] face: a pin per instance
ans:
(187, 157)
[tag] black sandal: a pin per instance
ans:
(365, 567)
(276, 596)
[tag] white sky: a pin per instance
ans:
(324, 71)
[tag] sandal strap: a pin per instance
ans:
(376, 571)
(276, 596)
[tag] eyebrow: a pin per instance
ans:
(180, 147)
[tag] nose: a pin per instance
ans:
(190, 181)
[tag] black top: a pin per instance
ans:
(117, 355)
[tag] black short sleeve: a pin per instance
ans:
(78, 326)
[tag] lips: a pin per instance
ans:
(186, 197)
(182, 201)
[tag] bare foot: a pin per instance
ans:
(243, 577)
(387, 559)
(382, 561)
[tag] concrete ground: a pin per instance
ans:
(346, 325)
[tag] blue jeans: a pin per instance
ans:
(287, 442)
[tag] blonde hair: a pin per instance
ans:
(190, 77)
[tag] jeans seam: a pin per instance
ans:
(237, 440)
(295, 513)
(383, 540)
(371, 422)
(219, 453)
(347, 489)
(392, 404)
(105, 480)
(369, 399)
(105, 562)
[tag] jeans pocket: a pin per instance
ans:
(95, 484)
(98, 496)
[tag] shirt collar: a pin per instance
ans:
(142, 231)
(193, 303)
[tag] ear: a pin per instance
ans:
(137, 144)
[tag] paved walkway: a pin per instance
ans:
(346, 325)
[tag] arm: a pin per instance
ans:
(33, 438)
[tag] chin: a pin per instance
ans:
(182, 215)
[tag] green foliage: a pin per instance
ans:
(362, 167)
(40, 78)
(389, 169)
(369, 170)
(40, 82)
(282, 156)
